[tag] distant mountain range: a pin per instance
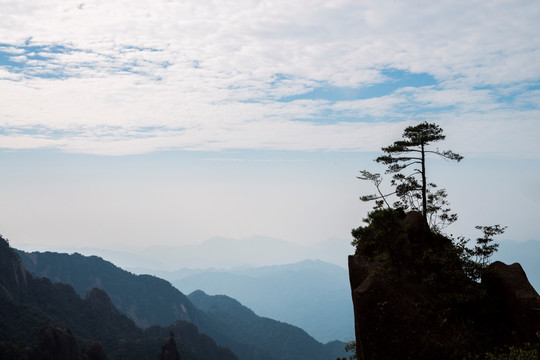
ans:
(217, 253)
(321, 289)
(149, 300)
(214, 267)
(28, 304)
(310, 294)
(294, 343)
(256, 251)
(275, 291)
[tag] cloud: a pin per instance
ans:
(123, 77)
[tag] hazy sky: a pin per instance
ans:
(169, 122)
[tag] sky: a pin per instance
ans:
(129, 123)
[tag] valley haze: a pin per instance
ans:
(227, 254)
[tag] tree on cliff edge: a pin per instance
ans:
(413, 189)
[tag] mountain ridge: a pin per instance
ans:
(242, 320)
(310, 294)
(29, 306)
(85, 272)
(250, 251)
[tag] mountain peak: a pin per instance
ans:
(13, 279)
(99, 299)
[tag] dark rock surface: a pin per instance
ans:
(55, 343)
(169, 350)
(99, 299)
(388, 323)
(412, 299)
(520, 305)
(97, 352)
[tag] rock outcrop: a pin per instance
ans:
(413, 300)
(169, 350)
(97, 352)
(60, 344)
(55, 343)
(100, 300)
(520, 303)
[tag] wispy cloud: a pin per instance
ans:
(121, 77)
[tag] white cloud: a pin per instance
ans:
(117, 77)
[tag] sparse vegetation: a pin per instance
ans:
(413, 190)
(414, 195)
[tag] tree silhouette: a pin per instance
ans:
(412, 151)
(413, 189)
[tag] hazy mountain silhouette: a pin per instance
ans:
(29, 303)
(312, 295)
(273, 338)
(148, 299)
(218, 252)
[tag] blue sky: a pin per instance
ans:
(254, 117)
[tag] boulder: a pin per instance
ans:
(520, 303)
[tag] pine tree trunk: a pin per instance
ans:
(424, 185)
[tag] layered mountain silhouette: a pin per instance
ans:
(146, 299)
(34, 309)
(294, 343)
(149, 300)
(321, 288)
(217, 252)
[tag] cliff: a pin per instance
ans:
(413, 300)
(14, 283)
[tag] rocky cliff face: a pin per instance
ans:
(412, 299)
(14, 281)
